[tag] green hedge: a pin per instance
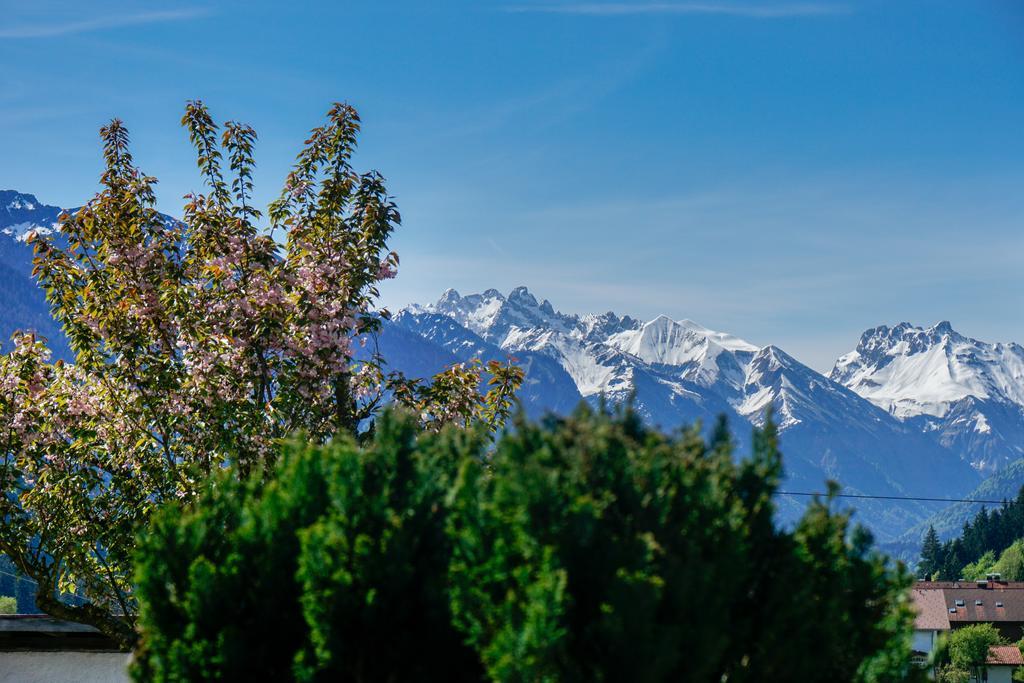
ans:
(581, 549)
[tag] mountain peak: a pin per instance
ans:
(493, 316)
(12, 200)
(492, 294)
(771, 358)
(450, 296)
(910, 371)
(661, 322)
(521, 295)
(20, 213)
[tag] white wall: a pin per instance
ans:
(64, 667)
(924, 641)
(1000, 674)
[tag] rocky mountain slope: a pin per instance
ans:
(965, 393)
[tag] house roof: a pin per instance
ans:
(930, 610)
(1008, 655)
(982, 601)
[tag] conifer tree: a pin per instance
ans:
(931, 551)
(988, 531)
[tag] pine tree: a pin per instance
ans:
(989, 531)
(952, 561)
(931, 555)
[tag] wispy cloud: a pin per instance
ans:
(67, 28)
(758, 11)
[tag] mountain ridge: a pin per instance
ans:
(679, 371)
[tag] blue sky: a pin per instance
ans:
(790, 172)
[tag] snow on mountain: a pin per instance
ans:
(24, 304)
(668, 342)
(706, 356)
(893, 417)
(602, 353)
(678, 372)
(966, 393)
(533, 332)
(22, 213)
(912, 371)
(547, 386)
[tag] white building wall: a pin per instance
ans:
(924, 641)
(1000, 674)
(64, 667)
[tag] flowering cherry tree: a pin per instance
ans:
(198, 344)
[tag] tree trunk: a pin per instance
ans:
(119, 629)
(116, 628)
(345, 405)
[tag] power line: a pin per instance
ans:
(18, 576)
(79, 600)
(920, 498)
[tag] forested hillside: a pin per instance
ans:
(990, 542)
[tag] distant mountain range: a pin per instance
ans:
(682, 372)
(911, 412)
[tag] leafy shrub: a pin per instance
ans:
(1010, 565)
(975, 571)
(8, 605)
(587, 548)
(951, 673)
(968, 646)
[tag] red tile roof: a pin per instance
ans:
(931, 613)
(1000, 602)
(1008, 655)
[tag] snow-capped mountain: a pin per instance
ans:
(682, 372)
(907, 413)
(24, 305)
(966, 393)
(20, 213)
(521, 326)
